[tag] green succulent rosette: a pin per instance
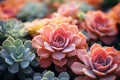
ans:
(16, 55)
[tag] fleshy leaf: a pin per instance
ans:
(64, 75)
(24, 64)
(18, 42)
(28, 44)
(49, 75)
(9, 61)
(14, 68)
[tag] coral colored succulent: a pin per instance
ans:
(57, 44)
(101, 63)
(115, 13)
(11, 7)
(69, 9)
(99, 25)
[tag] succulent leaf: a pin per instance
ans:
(27, 70)
(37, 76)
(14, 68)
(28, 44)
(49, 75)
(64, 75)
(9, 61)
(18, 42)
(21, 49)
(6, 43)
(12, 49)
(24, 64)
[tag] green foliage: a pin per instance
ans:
(32, 10)
(16, 55)
(12, 27)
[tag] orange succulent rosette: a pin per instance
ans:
(101, 63)
(58, 44)
(115, 13)
(99, 25)
(3, 16)
(11, 7)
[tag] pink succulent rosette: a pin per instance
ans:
(101, 63)
(58, 44)
(99, 25)
(69, 9)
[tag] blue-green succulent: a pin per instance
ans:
(85, 7)
(16, 55)
(49, 75)
(32, 10)
(12, 27)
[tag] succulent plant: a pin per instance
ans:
(100, 26)
(12, 27)
(32, 10)
(49, 75)
(100, 63)
(58, 44)
(16, 55)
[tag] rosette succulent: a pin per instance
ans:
(69, 9)
(58, 44)
(49, 75)
(17, 54)
(101, 63)
(32, 10)
(99, 25)
(12, 27)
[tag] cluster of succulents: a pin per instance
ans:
(59, 40)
